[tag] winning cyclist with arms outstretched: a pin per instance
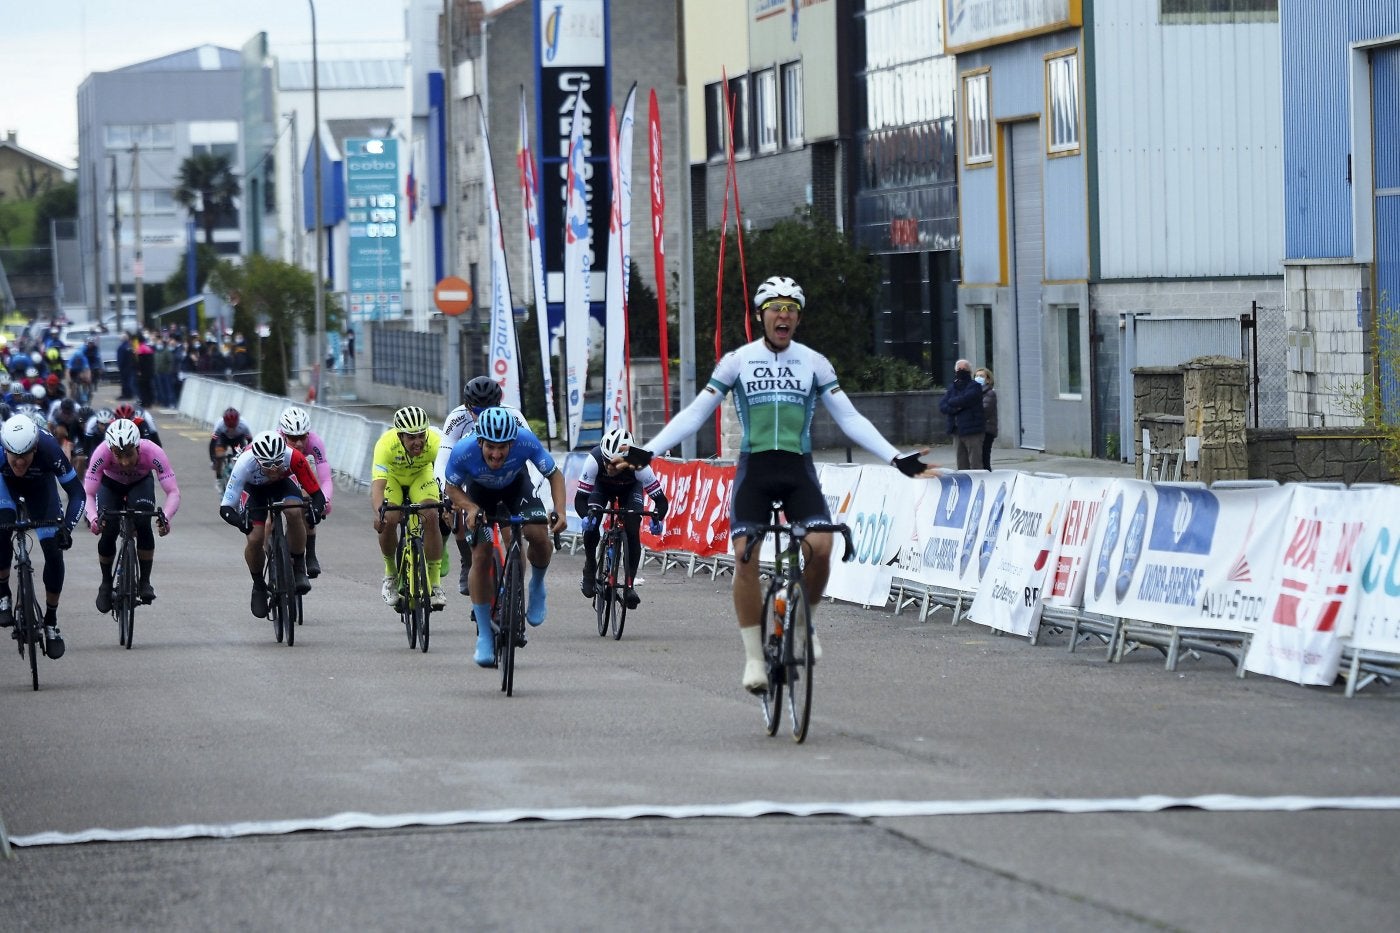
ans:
(776, 382)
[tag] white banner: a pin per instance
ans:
(1314, 595)
(881, 521)
(1377, 626)
(617, 409)
(1183, 555)
(935, 544)
(502, 363)
(990, 492)
(1069, 560)
(1009, 596)
(578, 258)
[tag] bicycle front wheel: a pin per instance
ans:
(125, 601)
(602, 588)
(512, 618)
(619, 589)
(797, 659)
(404, 582)
(31, 635)
(422, 602)
(280, 583)
(770, 630)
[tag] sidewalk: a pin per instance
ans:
(1003, 458)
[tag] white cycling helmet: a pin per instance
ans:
(268, 448)
(779, 286)
(19, 435)
(38, 391)
(616, 443)
(122, 434)
(294, 421)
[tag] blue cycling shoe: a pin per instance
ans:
(485, 648)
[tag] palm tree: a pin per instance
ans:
(207, 179)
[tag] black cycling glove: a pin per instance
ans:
(231, 515)
(63, 537)
(637, 456)
(909, 464)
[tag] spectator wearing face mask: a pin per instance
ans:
(984, 378)
(962, 403)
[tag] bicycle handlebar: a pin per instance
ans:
(797, 531)
(504, 516)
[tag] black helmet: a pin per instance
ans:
(481, 392)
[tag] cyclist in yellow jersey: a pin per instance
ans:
(403, 469)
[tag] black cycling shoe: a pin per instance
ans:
(7, 612)
(104, 598)
(313, 566)
(303, 584)
(53, 642)
(631, 598)
(147, 594)
(259, 605)
(588, 586)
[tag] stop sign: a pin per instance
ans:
(453, 295)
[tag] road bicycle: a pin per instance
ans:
(508, 605)
(226, 467)
(29, 616)
(610, 582)
(786, 623)
(414, 596)
(126, 569)
(283, 601)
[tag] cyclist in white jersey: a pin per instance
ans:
(479, 394)
(776, 383)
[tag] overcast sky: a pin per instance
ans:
(47, 47)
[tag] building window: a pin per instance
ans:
(765, 109)
(1062, 102)
(1071, 381)
(715, 133)
(145, 135)
(792, 104)
(977, 124)
(742, 114)
(1190, 12)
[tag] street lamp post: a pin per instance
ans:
(320, 342)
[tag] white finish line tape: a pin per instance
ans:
(867, 809)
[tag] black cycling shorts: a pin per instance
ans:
(775, 476)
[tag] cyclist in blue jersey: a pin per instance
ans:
(32, 468)
(486, 469)
(776, 383)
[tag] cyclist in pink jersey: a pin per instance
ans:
(295, 425)
(122, 474)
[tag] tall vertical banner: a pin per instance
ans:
(1009, 598)
(529, 187)
(501, 353)
(658, 244)
(1377, 626)
(572, 73)
(617, 407)
(374, 260)
(578, 256)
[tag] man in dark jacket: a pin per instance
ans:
(962, 403)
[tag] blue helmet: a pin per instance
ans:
(496, 425)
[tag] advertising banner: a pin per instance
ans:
(881, 521)
(1009, 596)
(571, 61)
(1069, 559)
(1313, 597)
(372, 187)
(1186, 556)
(699, 494)
(1377, 624)
(984, 516)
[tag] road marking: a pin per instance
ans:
(745, 810)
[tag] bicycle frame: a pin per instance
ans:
(612, 579)
(125, 569)
(411, 569)
(29, 619)
(508, 606)
(284, 603)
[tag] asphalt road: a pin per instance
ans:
(628, 784)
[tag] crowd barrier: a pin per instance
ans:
(1299, 582)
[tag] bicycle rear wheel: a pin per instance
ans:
(280, 581)
(602, 584)
(797, 659)
(770, 629)
(422, 602)
(125, 602)
(619, 589)
(512, 618)
(404, 582)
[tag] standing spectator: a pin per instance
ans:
(242, 363)
(962, 403)
(350, 349)
(165, 372)
(984, 378)
(145, 371)
(126, 369)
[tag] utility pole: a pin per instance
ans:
(138, 264)
(118, 302)
(294, 183)
(320, 359)
(96, 252)
(453, 387)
